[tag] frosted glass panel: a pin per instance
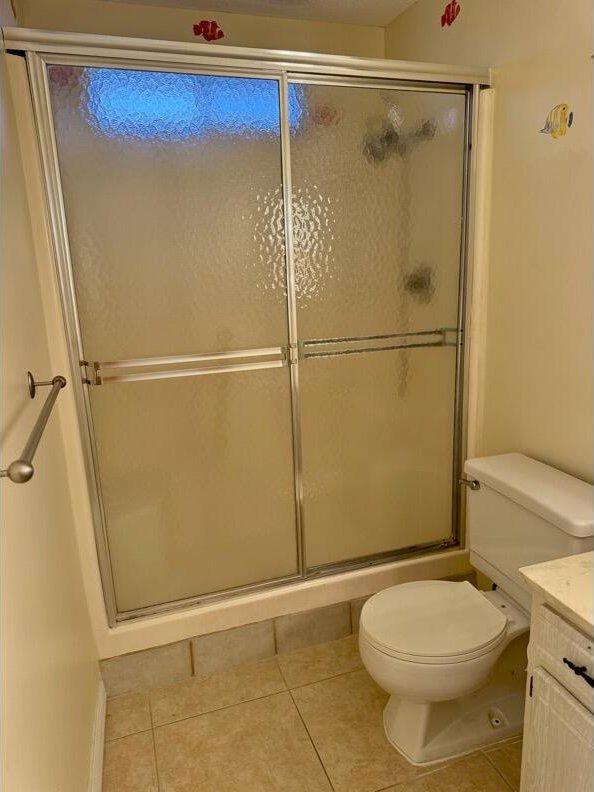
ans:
(170, 182)
(377, 452)
(197, 483)
(378, 177)
(378, 200)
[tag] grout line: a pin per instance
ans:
(280, 671)
(286, 689)
(154, 746)
(220, 709)
(325, 679)
(150, 706)
(123, 737)
(497, 770)
(192, 663)
(312, 741)
(273, 623)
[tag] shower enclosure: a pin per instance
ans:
(262, 262)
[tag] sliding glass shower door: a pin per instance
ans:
(377, 315)
(166, 180)
(262, 277)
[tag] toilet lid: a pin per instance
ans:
(431, 619)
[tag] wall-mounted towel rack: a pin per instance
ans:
(21, 470)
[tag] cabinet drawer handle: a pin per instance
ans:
(579, 671)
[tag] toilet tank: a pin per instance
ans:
(525, 512)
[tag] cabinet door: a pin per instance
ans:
(558, 739)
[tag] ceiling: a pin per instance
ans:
(356, 12)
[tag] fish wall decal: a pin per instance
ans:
(558, 121)
(450, 13)
(210, 31)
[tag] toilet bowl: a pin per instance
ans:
(451, 657)
(431, 643)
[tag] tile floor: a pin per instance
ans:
(306, 721)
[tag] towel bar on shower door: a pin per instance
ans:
(21, 470)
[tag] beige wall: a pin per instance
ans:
(49, 668)
(175, 24)
(537, 388)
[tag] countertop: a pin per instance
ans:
(567, 584)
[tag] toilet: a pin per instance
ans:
(446, 652)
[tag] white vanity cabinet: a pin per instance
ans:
(559, 721)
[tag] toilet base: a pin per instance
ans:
(427, 732)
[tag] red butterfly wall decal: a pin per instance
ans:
(450, 13)
(210, 31)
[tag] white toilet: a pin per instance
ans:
(434, 645)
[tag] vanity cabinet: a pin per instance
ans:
(559, 721)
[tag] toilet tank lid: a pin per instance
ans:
(557, 497)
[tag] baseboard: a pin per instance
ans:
(96, 770)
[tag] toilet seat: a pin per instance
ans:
(432, 621)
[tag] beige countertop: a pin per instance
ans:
(567, 584)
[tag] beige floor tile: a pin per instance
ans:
(320, 662)
(507, 758)
(162, 665)
(129, 764)
(316, 626)
(214, 691)
(230, 648)
(356, 608)
(344, 719)
(258, 746)
(474, 774)
(127, 715)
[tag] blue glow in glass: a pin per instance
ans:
(175, 107)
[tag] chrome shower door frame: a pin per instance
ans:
(45, 49)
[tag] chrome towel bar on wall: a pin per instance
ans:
(21, 470)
